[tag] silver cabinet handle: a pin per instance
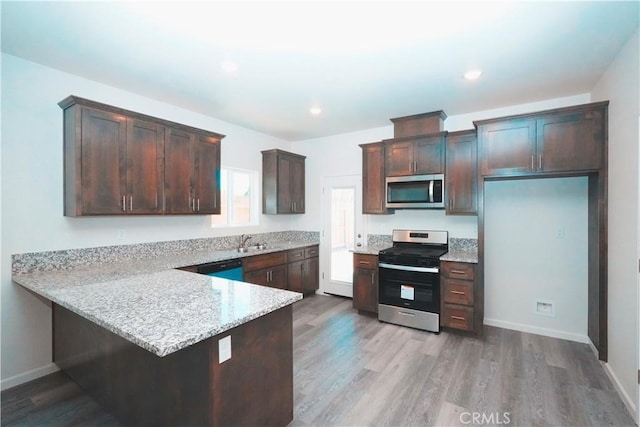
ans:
(458, 272)
(198, 204)
(540, 162)
(458, 318)
(124, 204)
(457, 292)
(131, 203)
(532, 165)
(372, 278)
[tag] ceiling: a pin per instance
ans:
(361, 62)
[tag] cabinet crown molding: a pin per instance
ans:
(571, 109)
(73, 100)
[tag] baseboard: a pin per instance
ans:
(553, 333)
(594, 349)
(28, 376)
(626, 399)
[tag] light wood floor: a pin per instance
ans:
(351, 370)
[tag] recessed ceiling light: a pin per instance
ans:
(229, 66)
(472, 74)
(315, 110)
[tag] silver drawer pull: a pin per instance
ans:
(404, 313)
(458, 272)
(458, 318)
(457, 292)
(365, 262)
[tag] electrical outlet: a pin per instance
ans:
(224, 349)
(545, 308)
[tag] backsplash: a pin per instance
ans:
(463, 245)
(455, 244)
(379, 239)
(74, 258)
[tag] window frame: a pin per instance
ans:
(254, 198)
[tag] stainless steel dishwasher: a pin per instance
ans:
(228, 269)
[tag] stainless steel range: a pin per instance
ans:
(409, 279)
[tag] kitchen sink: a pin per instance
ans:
(256, 248)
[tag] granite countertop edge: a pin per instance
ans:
(455, 256)
(55, 284)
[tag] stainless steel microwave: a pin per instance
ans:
(415, 191)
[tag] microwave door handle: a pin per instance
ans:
(431, 199)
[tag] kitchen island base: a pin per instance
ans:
(189, 386)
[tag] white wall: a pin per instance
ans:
(32, 196)
(536, 250)
(340, 155)
(620, 84)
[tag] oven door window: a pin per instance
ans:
(419, 291)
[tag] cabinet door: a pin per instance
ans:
(295, 273)
(428, 155)
(373, 179)
(365, 289)
(145, 145)
(507, 148)
(399, 158)
(570, 142)
(296, 184)
(257, 277)
(278, 277)
(207, 174)
(103, 175)
(461, 178)
(310, 275)
(178, 166)
(285, 198)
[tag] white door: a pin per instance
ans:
(341, 232)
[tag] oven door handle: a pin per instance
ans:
(408, 268)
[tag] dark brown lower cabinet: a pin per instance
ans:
(275, 277)
(459, 295)
(303, 269)
(365, 282)
(267, 269)
(188, 387)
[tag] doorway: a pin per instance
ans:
(341, 232)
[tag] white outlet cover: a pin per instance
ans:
(224, 349)
(545, 308)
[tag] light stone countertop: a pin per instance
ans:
(468, 257)
(158, 308)
(458, 256)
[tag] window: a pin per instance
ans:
(238, 197)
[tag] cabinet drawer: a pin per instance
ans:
(365, 261)
(311, 251)
(457, 317)
(457, 291)
(264, 261)
(459, 270)
(295, 255)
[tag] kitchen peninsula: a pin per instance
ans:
(158, 346)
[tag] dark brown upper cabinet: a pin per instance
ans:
(419, 155)
(555, 141)
(373, 179)
(283, 182)
(119, 162)
(192, 177)
(462, 173)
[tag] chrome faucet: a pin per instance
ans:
(243, 241)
